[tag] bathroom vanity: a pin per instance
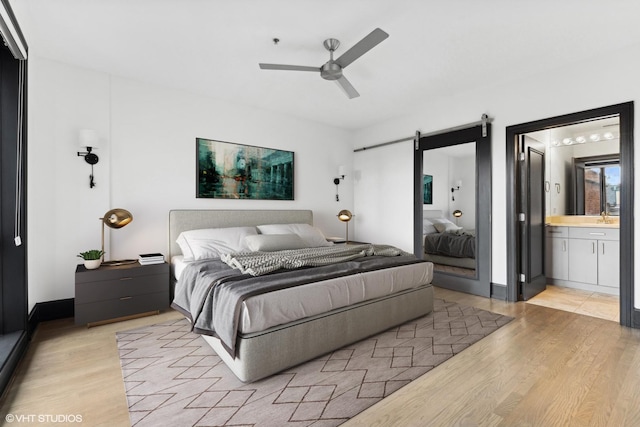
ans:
(583, 252)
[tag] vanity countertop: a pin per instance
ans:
(582, 221)
(585, 224)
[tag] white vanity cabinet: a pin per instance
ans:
(609, 263)
(583, 261)
(584, 257)
(557, 253)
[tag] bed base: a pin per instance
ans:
(262, 354)
(469, 263)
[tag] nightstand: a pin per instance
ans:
(112, 293)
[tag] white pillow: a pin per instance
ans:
(308, 233)
(440, 221)
(427, 227)
(212, 242)
(446, 227)
(274, 242)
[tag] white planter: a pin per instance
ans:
(92, 264)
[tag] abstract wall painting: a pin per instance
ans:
(227, 170)
(428, 189)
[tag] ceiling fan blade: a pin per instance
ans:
(288, 67)
(362, 47)
(346, 86)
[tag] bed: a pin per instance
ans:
(264, 347)
(447, 244)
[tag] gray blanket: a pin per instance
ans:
(210, 293)
(259, 263)
(450, 244)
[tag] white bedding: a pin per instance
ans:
(275, 308)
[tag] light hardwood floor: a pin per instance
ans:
(545, 368)
(577, 301)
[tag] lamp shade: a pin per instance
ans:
(457, 213)
(88, 138)
(344, 215)
(117, 218)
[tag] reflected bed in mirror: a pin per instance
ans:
(450, 247)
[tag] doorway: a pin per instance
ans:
(518, 229)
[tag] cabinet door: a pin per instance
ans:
(583, 261)
(557, 259)
(609, 263)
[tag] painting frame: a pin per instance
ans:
(427, 183)
(229, 170)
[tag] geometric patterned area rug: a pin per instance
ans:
(173, 378)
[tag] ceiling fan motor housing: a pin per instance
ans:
(331, 71)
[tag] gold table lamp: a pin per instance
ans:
(345, 216)
(115, 218)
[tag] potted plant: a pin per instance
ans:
(92, 258)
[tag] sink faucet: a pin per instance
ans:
(605, 217)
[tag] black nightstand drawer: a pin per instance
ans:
(119, 272)
(123, 287)
(113, 308)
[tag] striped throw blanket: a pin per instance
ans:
(259, 263)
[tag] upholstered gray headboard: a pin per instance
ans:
(191, 219)
(432, 213)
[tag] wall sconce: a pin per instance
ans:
(336, 181)
(345, 216)
(457, 214)
(456, 188)
(89, 141)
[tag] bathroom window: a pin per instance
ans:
(598, 186)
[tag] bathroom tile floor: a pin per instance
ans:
(577, 301)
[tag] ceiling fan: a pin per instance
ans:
(332, 69)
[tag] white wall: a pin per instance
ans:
(463, 169)
(147, 165)
(586, 85)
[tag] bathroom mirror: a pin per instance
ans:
(582, 168)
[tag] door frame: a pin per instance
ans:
(628, 315)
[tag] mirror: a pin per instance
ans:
(449, 209)
(582, 170)
(456, 164)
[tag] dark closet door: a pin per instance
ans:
(532, 218)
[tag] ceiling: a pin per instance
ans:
(435, 48)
